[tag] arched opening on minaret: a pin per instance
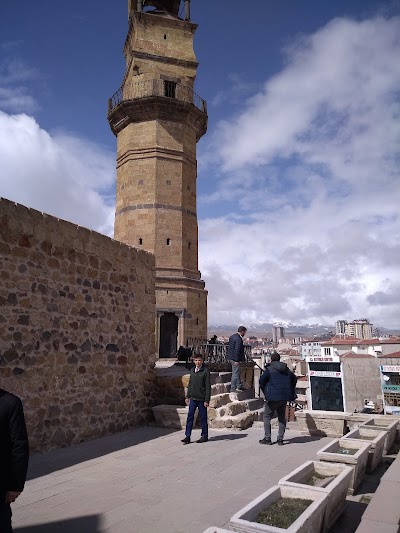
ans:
(168, 335)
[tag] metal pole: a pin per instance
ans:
(187, 9)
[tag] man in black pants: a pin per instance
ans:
(278, 384)
(14, 455)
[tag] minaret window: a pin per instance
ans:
(168, 242)
(189, 244)
(140, 241)
(169, 88)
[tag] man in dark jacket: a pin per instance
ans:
(14, 454)
(198, 397)
(236, 356)
(278, 384)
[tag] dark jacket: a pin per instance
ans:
(14, 448)
(199, 385)
(236, 348)
(278, 382)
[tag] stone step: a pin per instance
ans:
(240, 421)
(247, 394)
(232, 409)
(254, 404)
(220, 377)
(220, 388)
(219, 400)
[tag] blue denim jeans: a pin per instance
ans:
(269, 409)
(236, 382)
(193, 405)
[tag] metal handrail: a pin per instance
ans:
(156, 87)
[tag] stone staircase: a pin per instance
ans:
(236, 410)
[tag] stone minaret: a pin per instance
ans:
(158, 119)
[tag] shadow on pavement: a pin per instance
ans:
(41, 464)
(302, 440)
(84, 524)
(228, 437)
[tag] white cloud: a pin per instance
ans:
(15, 75)
(311, 165)
(59, 174)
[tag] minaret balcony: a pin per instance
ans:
(133, 100)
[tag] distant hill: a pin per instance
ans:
(291, 330)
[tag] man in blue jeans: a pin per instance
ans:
(198, 397)
(236, 356)
(278, 384)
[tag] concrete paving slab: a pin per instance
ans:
(146, 480)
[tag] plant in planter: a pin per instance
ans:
(376, 437)
(383, 424)
(299, 510)
(353, 453)
(329, 478)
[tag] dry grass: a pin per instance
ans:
(283, 512)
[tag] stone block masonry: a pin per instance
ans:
(76, 328)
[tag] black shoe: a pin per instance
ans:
(202, 439)
(280, 442)
(265, 441)
(186, 440)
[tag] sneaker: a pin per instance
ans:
(186, 440)
(265, 441)
(202, 439)
(239, 390)
(280, 442)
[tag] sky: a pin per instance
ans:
(298, 174)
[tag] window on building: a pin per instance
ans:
(189, 245)
(140, 241)
(392, 399)
(325, 367)
(327, 351)
(168, 242)
(169, 88)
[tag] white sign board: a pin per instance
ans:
(324, 374)
(323, 359)
(390, 368)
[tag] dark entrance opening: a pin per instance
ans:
(168, 335)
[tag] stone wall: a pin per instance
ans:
(76, 328)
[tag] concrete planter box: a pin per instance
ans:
(376, 438)
(358, 461)
(336, 490)
(322, 423)
(172, 416)
(384, 425)
(310, 521)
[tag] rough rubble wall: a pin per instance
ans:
(76, 328)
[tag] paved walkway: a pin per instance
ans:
(147, 481)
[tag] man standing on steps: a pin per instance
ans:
(236, 357)
(278, 384)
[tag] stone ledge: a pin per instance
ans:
(171, 416)
(383, 512)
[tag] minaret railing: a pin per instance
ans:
(156, 88)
